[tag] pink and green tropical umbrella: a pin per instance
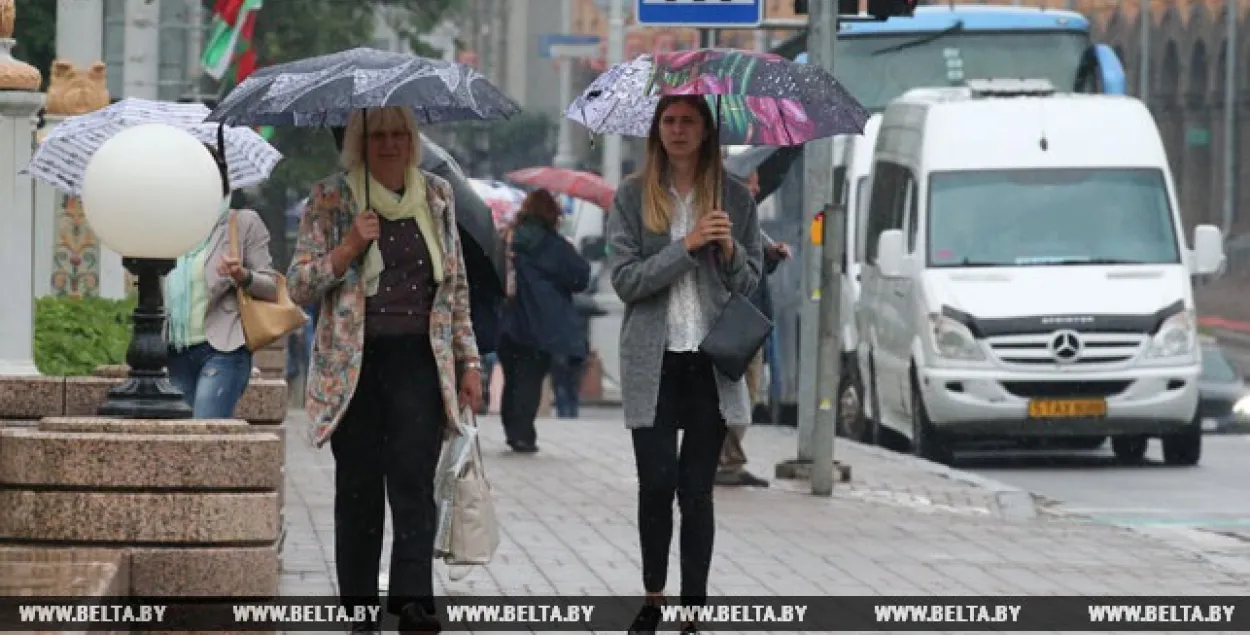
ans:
(759, 98)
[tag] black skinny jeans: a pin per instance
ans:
(688, 401)
(524, 369)
(387, 446)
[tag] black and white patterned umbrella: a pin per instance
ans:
(61, 159)
(324, 90)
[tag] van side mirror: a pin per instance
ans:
(890, 253)
(1208, 254)
(594, 248)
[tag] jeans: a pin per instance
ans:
(687, 401)
(387, 448)
(566, 380)
(524, 369)
(211, 381)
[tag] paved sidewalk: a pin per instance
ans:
(568, 522)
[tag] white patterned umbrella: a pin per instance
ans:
(61, 160)
(615, 103)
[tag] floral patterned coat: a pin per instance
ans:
(338, 347)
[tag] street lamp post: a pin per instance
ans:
(150, 193)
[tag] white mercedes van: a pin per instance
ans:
(1026, 273)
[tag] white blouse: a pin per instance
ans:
(687, 326)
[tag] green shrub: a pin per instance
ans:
(75, 335)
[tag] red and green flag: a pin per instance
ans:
(229, 56)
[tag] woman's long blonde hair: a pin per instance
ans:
(389, 118)
(657, 202)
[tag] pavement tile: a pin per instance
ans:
(568, 527)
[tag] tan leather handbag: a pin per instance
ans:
(264, 322)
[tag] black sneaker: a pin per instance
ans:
(647, 620)
(414, 618)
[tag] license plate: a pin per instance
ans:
(1067, 408)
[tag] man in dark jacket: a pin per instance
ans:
(733, 458)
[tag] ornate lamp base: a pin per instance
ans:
(147, 392)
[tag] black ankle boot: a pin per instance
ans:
(647, 620)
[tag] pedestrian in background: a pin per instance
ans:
(733, 457)
(208, 359)
(539, 319)
(395, 357)
(674, 261)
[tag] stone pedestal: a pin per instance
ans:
(193, 506)
(17, 127)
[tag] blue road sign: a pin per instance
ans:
(707, 14)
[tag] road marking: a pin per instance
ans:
(1171, 522)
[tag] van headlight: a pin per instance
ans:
(1177, 337)
(953, 340)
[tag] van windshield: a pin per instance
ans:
(1014, 218)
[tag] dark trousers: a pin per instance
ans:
(566, 381)
(387, 447)
(524, 369)
(687, 401)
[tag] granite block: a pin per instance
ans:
(153, 461)
(264, 401)
(139, 517)
(205, 571)
(59, 572)
(32, 397)
(84, 395)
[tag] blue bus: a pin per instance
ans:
(940, 45)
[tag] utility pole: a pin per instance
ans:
(1143, 53)
(1230, 114)
(616, 55)
(564, 144)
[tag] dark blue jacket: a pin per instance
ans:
(548, 272)
(762, 297)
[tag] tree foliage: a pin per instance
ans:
(36, 35)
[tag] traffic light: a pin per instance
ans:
(883, 9)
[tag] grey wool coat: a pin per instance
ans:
(644, 264)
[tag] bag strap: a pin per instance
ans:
(475, 460)
(234, 234)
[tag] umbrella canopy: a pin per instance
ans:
(758, 98)
(575, 183)
(770, 164)
(324, 90)
(61, 159)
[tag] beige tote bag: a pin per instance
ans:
(474, 530)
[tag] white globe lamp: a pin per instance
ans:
(150, 193)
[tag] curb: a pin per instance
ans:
(1014, 504)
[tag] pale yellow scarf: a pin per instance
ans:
(390, 206)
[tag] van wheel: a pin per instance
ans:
(852, 422)
(1184, 448)
(926, 441)
(1129, 450)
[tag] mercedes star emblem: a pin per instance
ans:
(1065, 346)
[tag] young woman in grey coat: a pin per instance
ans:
(674, 262)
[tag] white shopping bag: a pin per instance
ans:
(467, 531)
